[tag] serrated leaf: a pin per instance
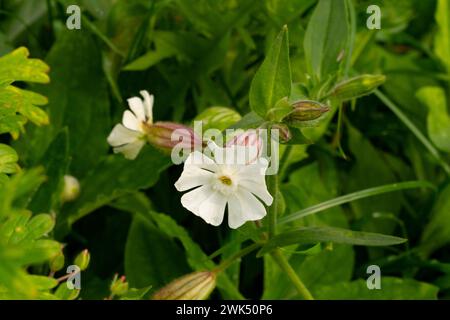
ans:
(8, 159)
(272, 81)
(328, 234)
(16, 66)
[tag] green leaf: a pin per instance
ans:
(79, 100)
(438, 120)
(136, 294)
(326, 37)
(442, 39)
(391, 289)
(250, 121)
(218, 118)
(329, 234)
(355, 196)
(272, 81)
(111, 179)
(437, 232)
(152, 258)
(43, 282)
(55, 162)
(8, 159)
(16, 66)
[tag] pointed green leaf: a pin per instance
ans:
(272, 81)
(329, 234)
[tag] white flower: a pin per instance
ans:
(222, 181)
(130, 136)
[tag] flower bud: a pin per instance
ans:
(167, 135)
(82, 260)
(357, 87)
(305, 110)
(71, 189)
(218, 118)
(119, 286)
(284, 132)
(194, 286)
(57, 263)
(252, 140)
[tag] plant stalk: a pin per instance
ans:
(284, 265)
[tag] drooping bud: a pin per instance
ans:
(71, 189)
(194, 286)
(357, 87)
(218, 118)
(252, 140)
(82, 260)
(119, 286)
(284, 132)
(304, 112)
(167, 135)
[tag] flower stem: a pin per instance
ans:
(273, 209)
(284, 265)
(226, 263)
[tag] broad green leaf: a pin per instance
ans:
(391, 289)
(272, 81)
(284, 11)
(55, 161)
(8, 159)
(152, 258)
(39, 226)
(437, 232)
(136, 294)
(111, 179)
(64, 293)
(329, 234)
(442, 39)
(438, 120)
(326, 37)
(78, 100)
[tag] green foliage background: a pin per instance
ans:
(194, 55)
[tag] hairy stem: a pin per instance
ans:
(226, 263)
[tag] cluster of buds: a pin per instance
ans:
(119, 286)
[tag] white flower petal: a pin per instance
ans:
(192, 177)
(235, 216)
(251, 208)
(137, 106)
(131, 150)
(198, 159)
(258, 189)
(212, 209)
(148, 105)
(130, 121)
(121, 135)
(193, 199)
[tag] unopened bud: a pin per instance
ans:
(252, 140)
(284, 132)
(167, 135)
(57, 263)
(305, 110)
(194, 286)
(82, 260)
(71, 189)
(218, 118)
(357, 87)
(119, 286)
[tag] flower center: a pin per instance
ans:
(226, 180)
